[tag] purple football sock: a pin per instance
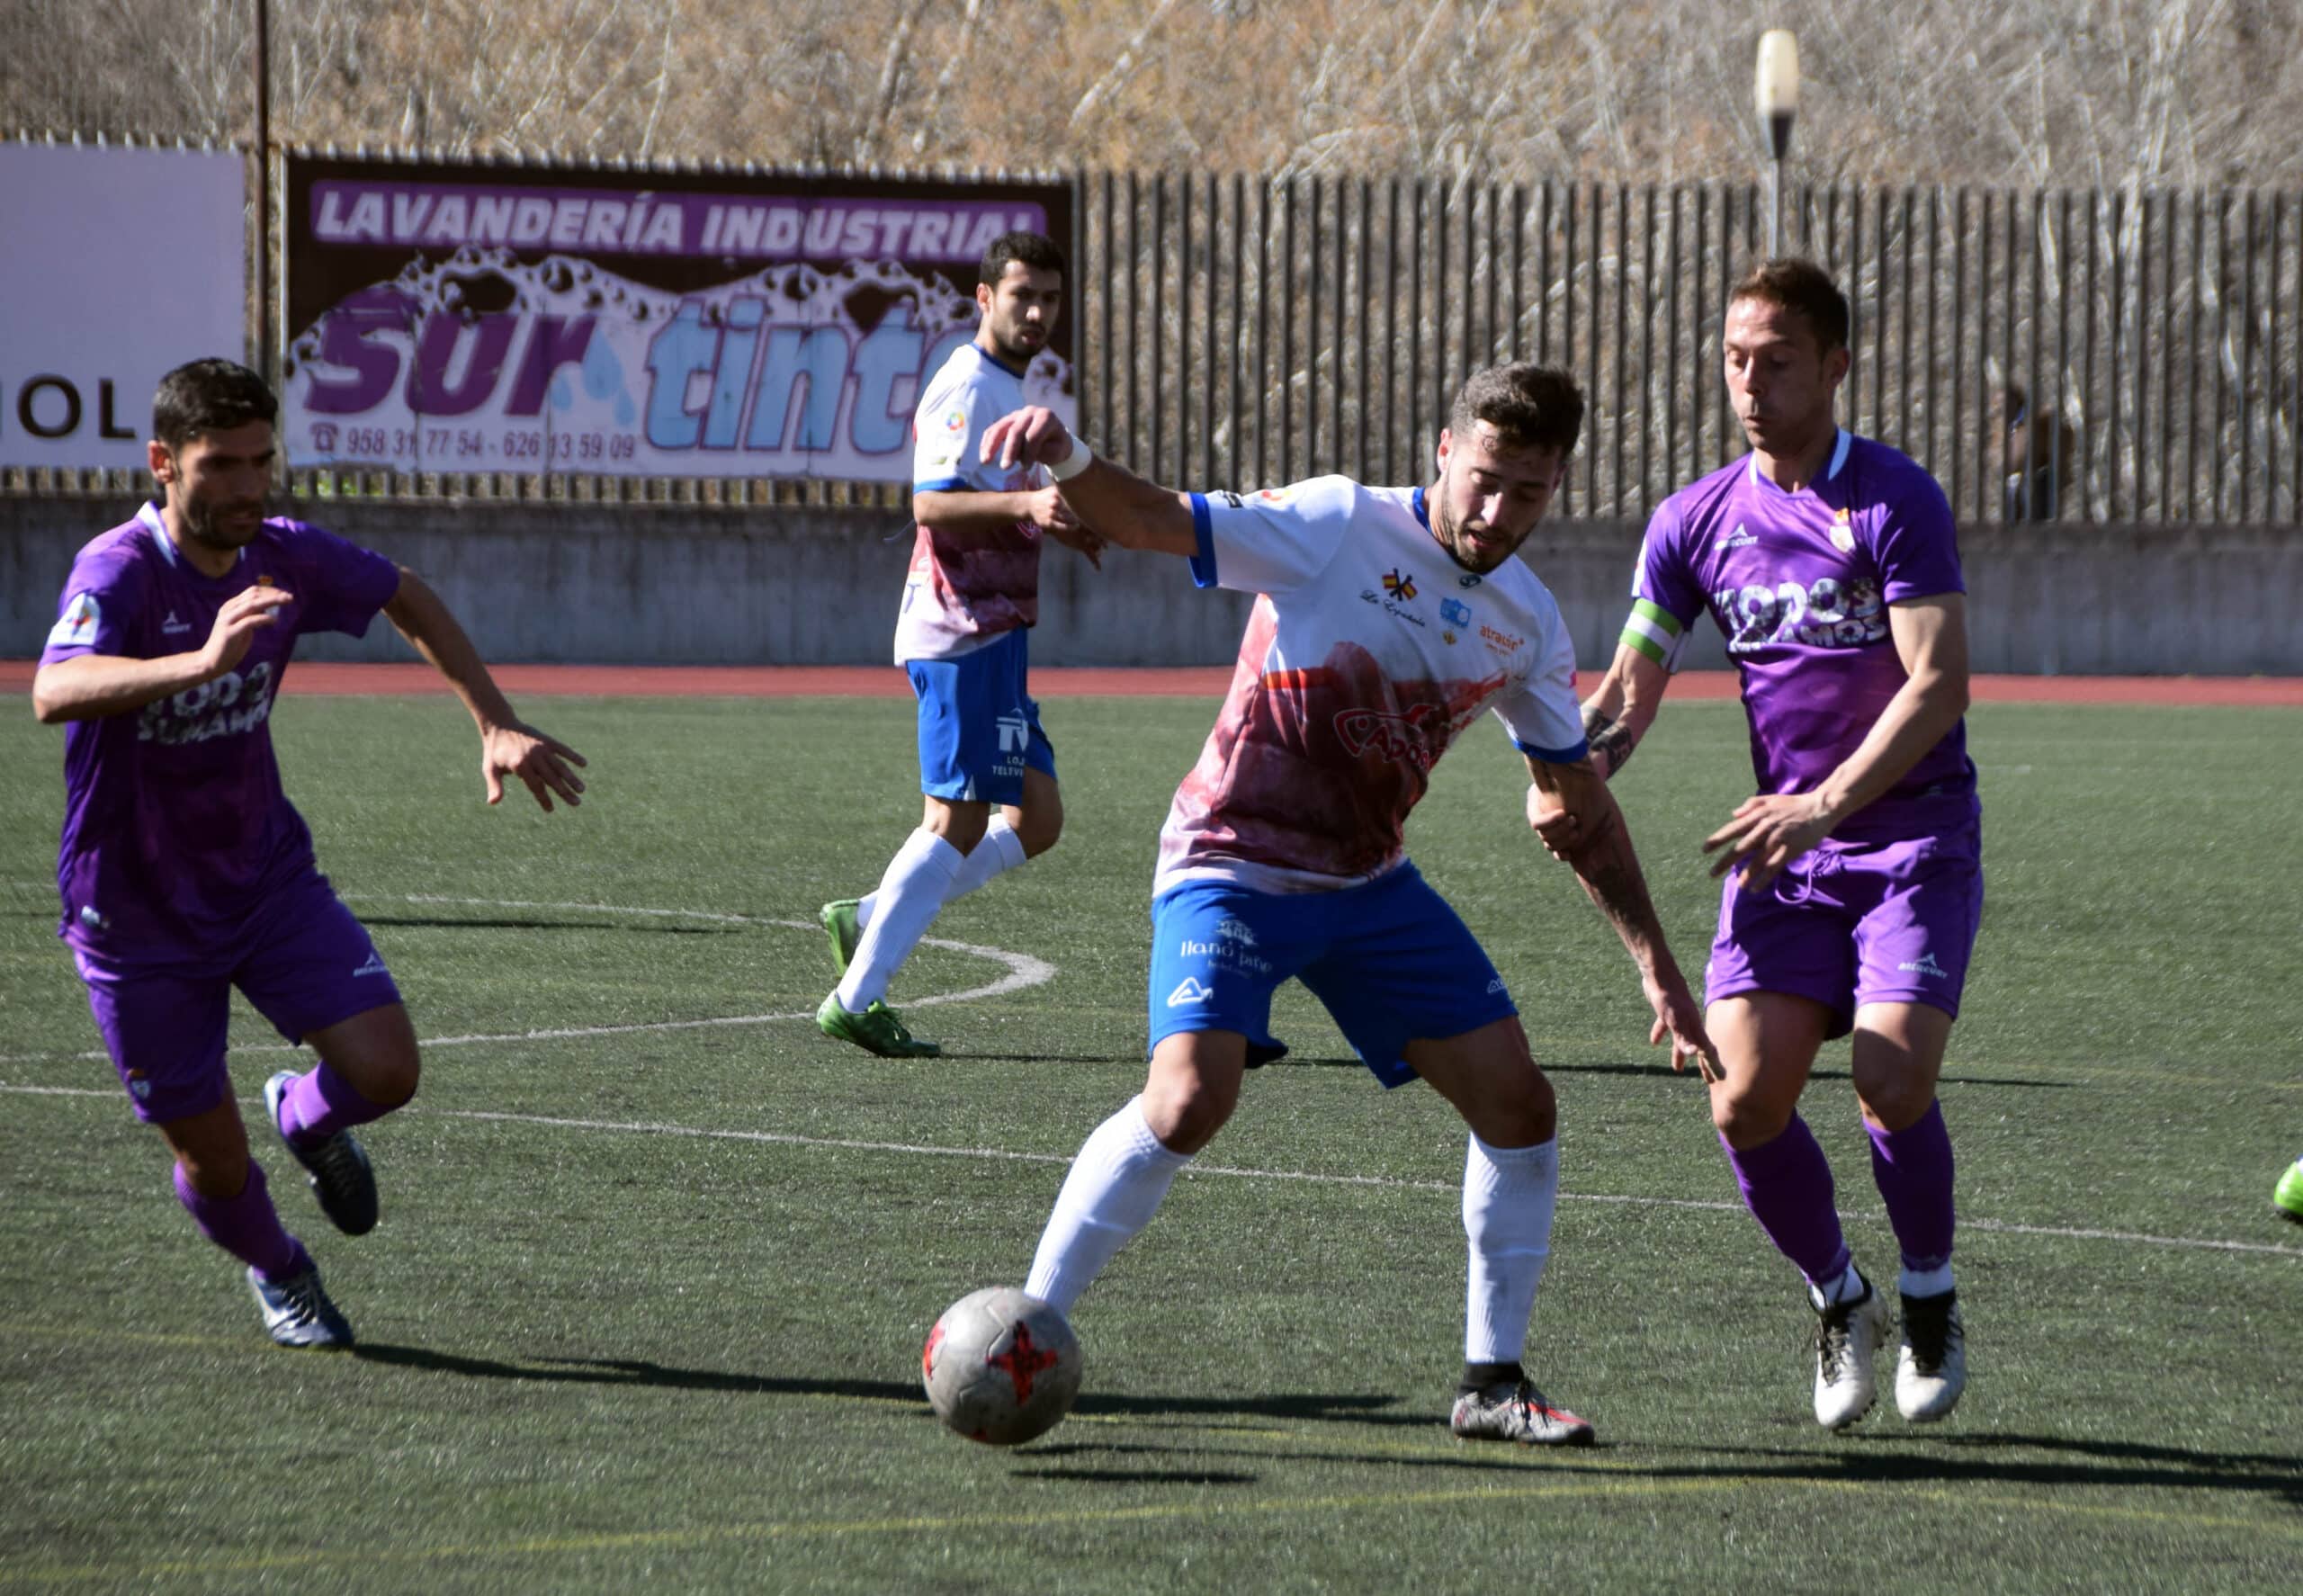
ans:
(1786, 1184)
(246, 1226)
(319, 1103)
(1912, 1167)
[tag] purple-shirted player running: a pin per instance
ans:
(185, 872)
(1854, 879)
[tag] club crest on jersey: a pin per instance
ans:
(1398, 584)
(76, 626)
(1842, 534)
(1402, 739)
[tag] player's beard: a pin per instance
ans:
(1450, 535)
(1015, 352)
(228, 525)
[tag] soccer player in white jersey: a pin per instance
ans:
(1854, 877)
(1387, 620)
(968, 604)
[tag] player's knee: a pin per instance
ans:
(1746, 1119)
(219, 1174)
(1894, 1104)
(1185, 1112)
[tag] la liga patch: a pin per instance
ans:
(76, 628)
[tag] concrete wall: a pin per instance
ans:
(665, 584)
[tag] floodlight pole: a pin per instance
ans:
(264, 190)
(1776, 93)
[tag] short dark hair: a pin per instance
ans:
(1035, 250)
(1803, 288)
(209, 396)
(1529, 406)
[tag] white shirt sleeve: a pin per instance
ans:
(1274, 540)
(1541, 712)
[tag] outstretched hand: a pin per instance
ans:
(1679, 1018)
(1034, 435)
(1766, 833)
(517, 749)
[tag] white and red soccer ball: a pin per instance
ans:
(1001, 1366)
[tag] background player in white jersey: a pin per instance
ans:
(968, 604)
(184, 871)
(1854, 878)
(1387, 620)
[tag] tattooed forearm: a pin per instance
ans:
(1610, 739)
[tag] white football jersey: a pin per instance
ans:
(961, 594)
(1369, 649)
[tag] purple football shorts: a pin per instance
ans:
(1851, 923)
(304, 962)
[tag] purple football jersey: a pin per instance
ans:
(174, 824)
(1800, 583)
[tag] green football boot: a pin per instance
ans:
(838, 922)
(876, 1030)
(2289, 1193)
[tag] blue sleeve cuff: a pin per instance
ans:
(1203, 527)
(1554, 756)
(944, 485)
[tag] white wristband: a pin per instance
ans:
(1081, 458)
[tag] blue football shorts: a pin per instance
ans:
(979, 729)
(1389, 960)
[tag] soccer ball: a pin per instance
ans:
(1001, 1366)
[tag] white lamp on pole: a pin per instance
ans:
(1776, 93)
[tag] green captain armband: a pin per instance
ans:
(1654, 631)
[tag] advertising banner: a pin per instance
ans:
(476, 317)
(117, 265)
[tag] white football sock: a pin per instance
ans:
(909, 894)
(1933, 1282)
(1508, 1196)
(1114, 1188)
(1001, 850)
(1846, 1286)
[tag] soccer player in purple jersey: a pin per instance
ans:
(184, 871)
(1854, 882)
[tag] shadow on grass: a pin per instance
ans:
(621, 1371)
(1133, 1476)
(1883, 1458)
(536, 925)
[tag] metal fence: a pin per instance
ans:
(1243, 332)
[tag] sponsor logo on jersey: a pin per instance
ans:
(1500, 642)
(1925, 964)
(1737, 539)
(1015, 734)
(1188, 991)
(1495, 986)
(76, 628)
(1454, 611)
(1273, 496)
(1473, 580)
(1401, 739)
(1398, 584)
(1235, 930)
(374, 967)
(170, 626)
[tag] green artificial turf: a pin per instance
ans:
(647, 1301)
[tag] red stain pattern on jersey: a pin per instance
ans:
(1315, 769)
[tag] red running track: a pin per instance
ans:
(883, 681)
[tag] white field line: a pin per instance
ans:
(1023, 971)
(641, 1127)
